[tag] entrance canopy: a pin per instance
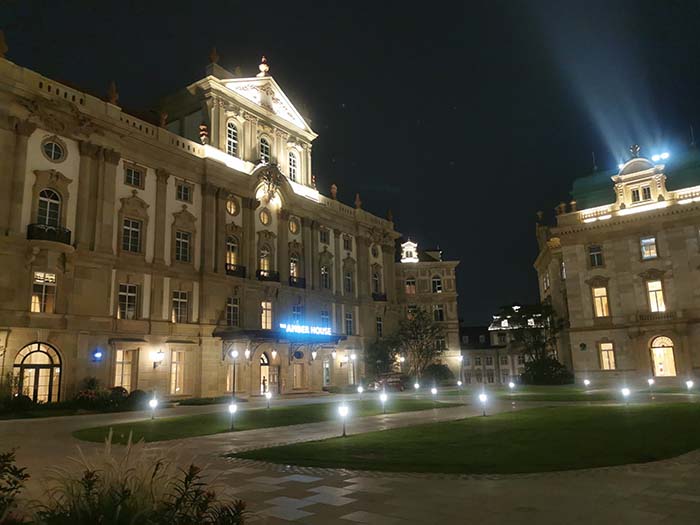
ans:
(293, 334)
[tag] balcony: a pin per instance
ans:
(656, 316)
(236, 270)
(379, 297)
(267, 275)
(297, 282)
(44, 232)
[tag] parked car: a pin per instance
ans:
(391, 382)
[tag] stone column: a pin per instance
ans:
(315, 256)
(309, 270)
(209, 192)
(23, 130)
(388, 277)
(106, 189)
(89, 153)
(249, 250)
(338, 264)
(363, 244)
(283, 246)
(307, 163)
(220, 247)
(162, 177)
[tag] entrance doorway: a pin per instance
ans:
(37, 370)
(662, 357)
(264, 373)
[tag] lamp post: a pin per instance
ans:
(353, 357)
(433, 391)
(416, 386)
(626, 394)
(234, 356)
(268, 396)
(483, 398)
(689, 384)
(650, 382)
(343, 410)
(153, 403)
(383, 397)
(232, 407)
(157, 358)
(461, 369)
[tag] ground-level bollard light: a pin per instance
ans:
(650, 382)
(383, 397)
(689, 384)
(459, 384)
(586, 383)
(268, 396)
(433, 391)
(360, 390)
(483, 398)
(626, 394)
(416, 386)
(232, 410)
(343, 410)
(153, 403)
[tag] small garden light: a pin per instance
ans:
(383, 397)
(416, 386)
(268, 396)
(433, 391)
(343, 410)
(153, 403)
(511, 385)
(232, 408)
(586, 383)
(626, 394)
(360, 390)
(483, 398)
(689, 384)
(459, 383)
(97, 356)
(650, 382)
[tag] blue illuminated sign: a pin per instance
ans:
(305, 329)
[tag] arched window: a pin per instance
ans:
(264, 151)
(294, 265)
(49, 210)
(231, 251)
(325, 277)
(37, 368)
(264, 260)
(662, 357)
(437, 284)
(292, 166)
(232, 139)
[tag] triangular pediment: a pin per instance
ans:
(267, 94)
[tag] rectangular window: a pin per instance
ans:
(182, 246)
(437, 284)
(325, 277)
(656, 296)
(183, 191)
(347, 280)
(43, 292)
(595, 256)
(490, 377)
(177, 372)
(635, 195)
(521, 359)
(380, 327)
(133, 176)
(438, 312)
(441, 343)
(266, 315)
(646, 193)
(123, 368)
(348, 324)
(504, 377)
(607, 356)
(324, 235)
(411, 310)
(502, 339)
(233, 311)
(325, 318)
(477, 361)
(410, 286)
(504, 360)
(297, 313)
(128, 301)
(489, 360)
(600, 302)
(648, 246)
(131, 236)
(180, 307)
(347, 243)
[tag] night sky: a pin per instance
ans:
(463, 118)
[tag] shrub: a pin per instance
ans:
(94, 399)
(90, 383)
(546, 371)
(137, 400)
(197, 401)
(12, 480)
(21, 402)
(118, 394)
(437, 373)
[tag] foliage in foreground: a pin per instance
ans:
(546, 371)
(134, 486)
(12, 479)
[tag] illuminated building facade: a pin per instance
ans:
(621, 268)
(192, 257)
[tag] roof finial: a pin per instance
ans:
(3, 44)
(389, 215)
(358, 202)
(595, 166)
(213, 56)
(263, 67)
(334, 192)
(112, 93)
(634, 150)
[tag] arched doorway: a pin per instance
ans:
(662, 357)
(37, 370)
(264, 373)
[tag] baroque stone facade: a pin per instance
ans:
(621, 267)
(191, 258)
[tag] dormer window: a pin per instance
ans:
(646, 193)
(641, 194)
(264, 151)
(293, 165)
(232, 139)
(635, 195)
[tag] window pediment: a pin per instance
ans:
(134, 206)
(598, 281)
(326, 257)
(184, 220)
(652, 274)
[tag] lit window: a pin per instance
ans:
(411, 310)
(128, 300)
(563, 271)
(545, 281)
(131, 236)
(646, 193)
(49, 209)
(292, 166)
(43, 292)
(380, 326)
(232, 207)
(182, 246)
(521, 359)
(294, 265)
(324, 236)
(122, 368)
(438, 312)
(607, 356)
(437, 284)
(180, 307)
(133, 176)
(347, 243)
(231, 251)
(648, 246)
(264, 151)
(600, 301)
(635, 195)
(348, 282)
(656, 296)
(177, 372)
(325, 318)
(264, 261)
(266, 315)
(183, 192)
(595, 256)
(410, 285)
(325, 277)
(297, 313)
(232, 139)
(348, 324)
(232, 311)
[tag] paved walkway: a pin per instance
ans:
(661, 492)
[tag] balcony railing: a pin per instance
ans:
(657, 316)
(297, 282)
(235, 269)
(379, 296)
(44, 232)
(267, 275)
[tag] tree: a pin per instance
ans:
(419, 337)
(381, 355)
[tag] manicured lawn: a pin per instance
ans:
(162, 429)
(535, 440)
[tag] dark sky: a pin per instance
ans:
(463, 118)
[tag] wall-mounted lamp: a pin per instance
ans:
(247, 353)
(157, 358)
(233, 354)
(274, 354)
(97, 356)
(334, 354)
(314, 353)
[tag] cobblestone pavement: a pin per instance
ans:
(661, 492)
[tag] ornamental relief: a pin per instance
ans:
(652, 274)
(60, 117)
(134, 206)
(233, 229)
(598, 281)
(184, 220)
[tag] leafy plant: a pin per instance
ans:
(546, 371)
(380, 355)
(12, 479)
(90, 383)
(438, 373)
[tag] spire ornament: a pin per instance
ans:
(358, 202)
(3, 44)
(634, 150)
(112, 93)
(263, 67)
(213, 56)
(334, 192)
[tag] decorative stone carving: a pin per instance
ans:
(23, 127)
(60, 116)
(112, 93)
(652, 274)
(3, 44)
(183, 220)
(271, 177)
(134, 206)
(233, 229)
(88, 149)
(162, 176)
(295, 247)
(358, 202)
(598, 281)
(111, 156)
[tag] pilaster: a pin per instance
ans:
(283, 245)
(106, 189)
(363, 244)
(89, 153)
(209, 192)
(23, 129)
(162, 177)
(249, 241)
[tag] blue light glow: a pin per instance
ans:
(305, 329)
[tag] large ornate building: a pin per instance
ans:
(621, 267)
(194, 257)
